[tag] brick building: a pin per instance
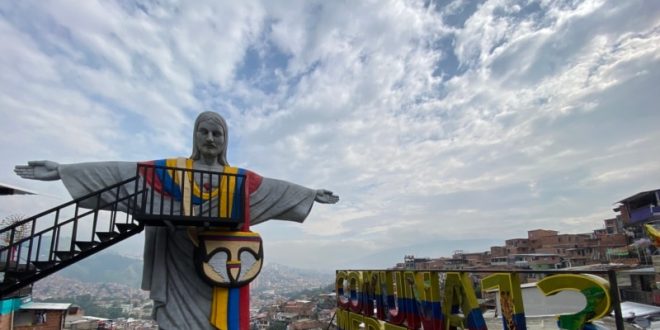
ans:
(517, 246)
(544, 248)
(437, 263)
(472, 259)
(637, 210)
(614, 225)
(41, 316)
(301, 308)
(640, 208)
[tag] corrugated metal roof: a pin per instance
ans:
(15, 190)
(638, 195)
(629, 309)
(49, 306)
(646, 270)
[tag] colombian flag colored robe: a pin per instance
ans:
(182, 300)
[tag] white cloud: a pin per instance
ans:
(431, 122)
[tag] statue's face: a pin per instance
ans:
(210, 139)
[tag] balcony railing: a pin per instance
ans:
(189, 197)
(157, 196)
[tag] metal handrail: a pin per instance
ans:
(187, 177)
(138, 204)
(67, 204)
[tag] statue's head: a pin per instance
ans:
(205, 121)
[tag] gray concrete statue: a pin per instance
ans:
(182, 299)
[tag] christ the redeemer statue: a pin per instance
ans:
(182, 299)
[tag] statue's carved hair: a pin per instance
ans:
(216, 119)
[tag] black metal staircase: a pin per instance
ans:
(40, 245)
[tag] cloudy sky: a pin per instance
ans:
(436, 121)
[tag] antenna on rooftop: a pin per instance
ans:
(20, 232)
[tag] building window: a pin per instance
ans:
(645, 283)
(40, 317)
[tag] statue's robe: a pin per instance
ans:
(182, 300)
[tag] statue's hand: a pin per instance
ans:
(326, 197)
(44, 170)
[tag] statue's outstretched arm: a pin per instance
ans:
(326, 197)
(44, 170)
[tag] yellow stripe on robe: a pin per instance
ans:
(226, 198)
(172, 162)
(218, 313)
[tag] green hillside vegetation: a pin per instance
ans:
(106, 268)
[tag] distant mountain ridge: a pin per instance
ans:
(110, 267)
(106, 267)
(431, 249)
(285, 279)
